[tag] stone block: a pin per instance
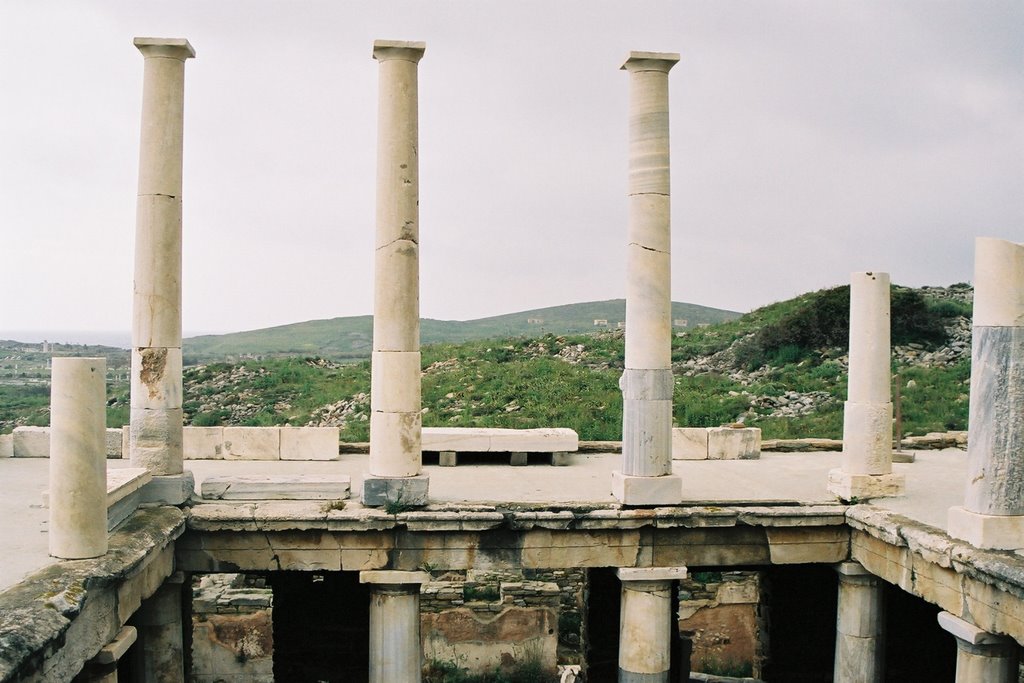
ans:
(276, 487)
(689, 443)
(650, 573)
(968, 632)
(861, 487)
(203, 443)
(6, 445)
(518, 459)
(630, 490)
(379, 491)
(309, 443)
(448, 459)
(169, 489)
(393, 577)
(252, 443)
(484, 440)
(992, 532)
(561, 459)
(114, 444)
(726, 443)
(31, 442)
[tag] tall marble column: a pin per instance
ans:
(395, 650)
(992, 515)
(981, 657)
(866, 466)
(155, 440)
(646, 477)
(78, 458)
(645, 623)
(396, 457)
(159, 625)
(860, 627)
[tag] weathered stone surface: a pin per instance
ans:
(689, 443)
(276, 487)
(6, 445)
(170, 489)
(801, 545)
(728, 443)
(378, 491)
(481, 644)
(635, 490)
(309, 443)
(486, 440)
(203, 443)
(996, 532)
(252, 443)
(860, 487)
(31, 442)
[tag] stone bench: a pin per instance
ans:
(124, 493)
(716, 443)
(448, 442)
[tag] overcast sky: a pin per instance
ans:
(809, 139)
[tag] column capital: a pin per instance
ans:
(650, 61)
(384, 50)
(174, 48)
(393, 577)
(968, 632)
(626, 574)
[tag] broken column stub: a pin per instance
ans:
(78, 459)
(646, 477)
(645, 624)
(156, 417)
(981, 657)
(395, 650)
(866, 465)
(992, 515)
(396, 455)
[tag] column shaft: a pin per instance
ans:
(647, 381)
(395, 422)
(395, 650)
(995, 443)
(78, 460)
(155, 440)
(159, 625)
(860, 627)
(981, 657)
(646, 623)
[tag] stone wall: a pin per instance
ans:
(721, 613)
(232, 629)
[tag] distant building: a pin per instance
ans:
(600, 322)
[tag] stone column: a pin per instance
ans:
(646, 477)
(645, 623)
(396, 457)
(860, 627)
(981, 657)
(395, 651)
(156, 417)
(159, 625)
(78, 458)
(866, 466)
(992, 515)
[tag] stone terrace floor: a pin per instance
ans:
(934, 483)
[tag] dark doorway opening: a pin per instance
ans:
(321, 626)
(916, 647)
(801, 605)
(603, 606)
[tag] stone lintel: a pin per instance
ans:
(393, 577)
(378, 491)
(175, 48)
(633, 490)
(626, 574)
(991, 532)
(650, 61)
(862, 487)
(410, 51)
(115, 649)
(968, 632)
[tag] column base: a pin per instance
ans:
(858, 487)
(630, 490)
(992, 532)
(380, 491)
(169, 489)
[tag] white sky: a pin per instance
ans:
(809, 139)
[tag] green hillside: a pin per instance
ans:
(350, 338)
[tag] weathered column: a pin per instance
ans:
(396, 456)
(156, 417)
(992, 515)
(860, 626)
(645, 623)
(78, 458)
(395, 651)
(159, 625)
(866, 466)
(981, 657)
(646, 477)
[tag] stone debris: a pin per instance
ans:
(354, 408)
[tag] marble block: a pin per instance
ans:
(31, 442)
(6, 445)
(379, 491)
(689, 443)
(663, 490)
(726, 443)
(861, 487)
(309, 443)
(276, 487)
(203, 443)
(169, 489)
(991, 532)
(252, 443)
(114, 443)
(484, 440)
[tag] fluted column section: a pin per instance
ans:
(395, 421)
(866, 466)
(78, 458)
(155, 440)
(647, 382)
(992, 515)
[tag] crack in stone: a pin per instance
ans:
(646, 248)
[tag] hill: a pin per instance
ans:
(350, 338)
